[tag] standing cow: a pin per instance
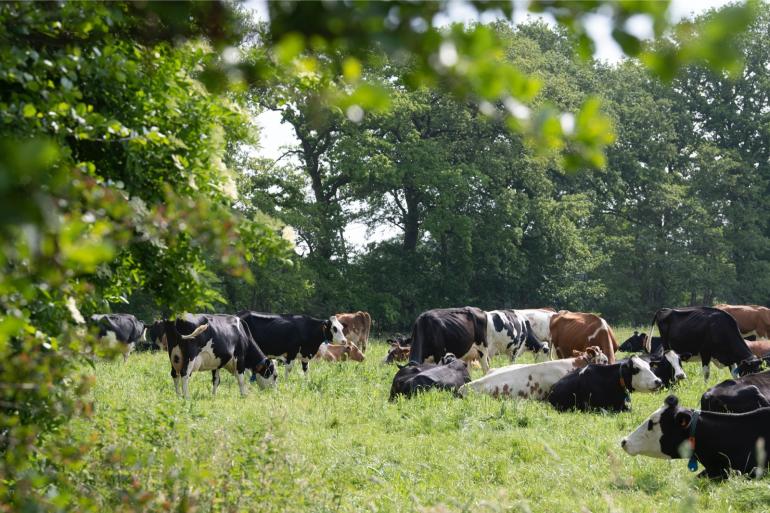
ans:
(124, 327)
(461, 331)
(212, 342)
(540, 320)
(509, 331)
(751, 319)
(285, 336)
(709, 332)
(356, 327)
(576, 331)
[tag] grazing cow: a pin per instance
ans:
(212, 342)
(285, 336)
(707, 331)
(604, 386)
(397, 351)
(532, 381)
(540, 320)
(667, 366)
(460, 331)
(124, 327)
(738, 395)
(356, 327)
(449, 374)
(575, 331)
(751, 319)
(721, 442)
(510, 332)
(339, 352)
(759, 348)
(635, 344)
(155, 335)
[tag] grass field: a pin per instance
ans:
(333, 442)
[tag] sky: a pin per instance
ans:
(275, 136)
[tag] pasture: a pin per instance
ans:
(333, 442)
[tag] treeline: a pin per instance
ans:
(676, 216)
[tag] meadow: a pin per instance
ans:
(333, 442)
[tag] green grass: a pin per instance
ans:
(333, 442)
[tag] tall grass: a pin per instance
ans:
(333, 442)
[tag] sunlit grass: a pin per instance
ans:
(333, 442)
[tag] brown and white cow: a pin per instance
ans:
(356, 327)
(576, 331)
(752, 319)
(339, 352)
(533, 381)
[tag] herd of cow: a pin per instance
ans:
(726, 435)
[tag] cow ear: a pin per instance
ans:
(683, 418)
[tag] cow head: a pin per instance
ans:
(264, 374)
(592, 354)
(333, 328)
(354, 353)
(748, 366)
(156, 334)
(634, 343)
(447, 359)
(664, 434)
(641, 376)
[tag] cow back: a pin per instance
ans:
(576, 331)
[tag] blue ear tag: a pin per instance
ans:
(693, 463)
(734, 372)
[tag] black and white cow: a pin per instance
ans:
(738, 395)
(460, 331)
(509, 331)
(721, 442)
(285, 336)
(449, 374)
(709, 332)
(604, 386)
(212, 342)
(667, 366)
(635, 344)
(124, 328)
(155, 335)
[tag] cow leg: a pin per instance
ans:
(241, 384)
(305, 360)
(706, 360)
(484, 360)
(128, 351)
(175, 375)
(185, 388)
(288, 367)
(214, 381)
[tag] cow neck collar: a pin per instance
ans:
(692, 464)
(626, 386)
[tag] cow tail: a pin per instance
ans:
(415, 352)
(648, 340)
(368, 328)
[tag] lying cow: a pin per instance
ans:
(339, 352)
(509, 331)
(575, 331)
(709, 332)
(212, 342)
(460, 331)
(604, 386)
(397, 351)
(738, 395)
(751, 319)
(635, 344)
(124, 328)
(532, 381)
(284, 336)
(667, 366)
(356, 327)
(449, 374)
(721, 442)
